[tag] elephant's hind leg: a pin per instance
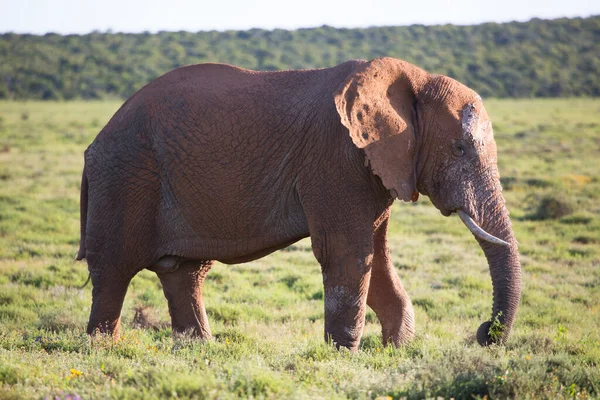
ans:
(387, 296)
(108, 294)
(182, 286)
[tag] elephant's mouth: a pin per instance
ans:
(445, 212)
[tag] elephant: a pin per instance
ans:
(211, 162)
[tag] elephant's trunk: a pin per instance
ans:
(505, 270)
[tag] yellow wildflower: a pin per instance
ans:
(74, 374)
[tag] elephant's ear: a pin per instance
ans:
(377, 103)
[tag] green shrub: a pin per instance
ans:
(552, 207)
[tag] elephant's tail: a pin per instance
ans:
(83, 206)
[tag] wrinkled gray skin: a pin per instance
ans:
(212, 162)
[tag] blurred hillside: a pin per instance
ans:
(539, 58)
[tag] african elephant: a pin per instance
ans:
(214, 162)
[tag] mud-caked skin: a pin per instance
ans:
(213, 162)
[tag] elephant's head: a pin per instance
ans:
(430, 134)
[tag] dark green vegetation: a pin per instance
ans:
(267, 315)
(539, 58)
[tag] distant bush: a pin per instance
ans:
(552, 207)
(539, 58)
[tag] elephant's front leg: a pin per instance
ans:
(387, 296)
(183, 290)
(345, 263)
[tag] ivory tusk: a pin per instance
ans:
(477, 231)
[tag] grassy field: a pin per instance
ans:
(267, 315)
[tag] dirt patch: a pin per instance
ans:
(146, 318)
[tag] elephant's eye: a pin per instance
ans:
(458, 149)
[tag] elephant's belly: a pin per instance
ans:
(231, 239)
(228, 251)
(259, 253)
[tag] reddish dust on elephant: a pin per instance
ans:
(213, 162)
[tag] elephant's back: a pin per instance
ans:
(208, 96)
(201, 78)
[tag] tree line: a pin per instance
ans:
(538, 58)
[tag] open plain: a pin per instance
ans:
(267, 315)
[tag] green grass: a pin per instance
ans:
(267, 315)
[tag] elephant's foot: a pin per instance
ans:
(345, 304)
(344, 317)
(395, 312)
(105, 326)
(183, 289)
(108, 294)
(399, 328)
